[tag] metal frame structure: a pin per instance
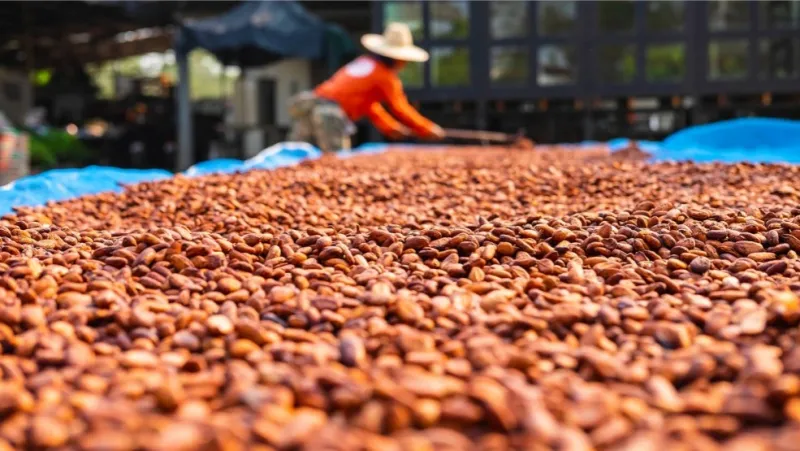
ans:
(587, 39)
(40, 34)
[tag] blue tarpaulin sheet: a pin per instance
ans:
(62, 184)
(754, 140)
(743, 140)
(255, 33)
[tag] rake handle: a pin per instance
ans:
(480, 135)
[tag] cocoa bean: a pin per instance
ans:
(469, 298)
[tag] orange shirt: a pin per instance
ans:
(362, 85)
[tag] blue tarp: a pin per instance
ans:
(261, 32)
(697, 144)
(754, 140)
(62, 184)
(747, 133)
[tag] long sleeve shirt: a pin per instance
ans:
(362, 86)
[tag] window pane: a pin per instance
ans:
(556, 17)
(727, 59)
(727, 15)
(617, 63)
(779, 58)
(409, 13)
(450, 66)
(556, 65)
(665, 63)
(665, 16)
(509, 65)
(616, 16)
(779, 14)
(449, 19)
(509, 19)
(412, 75)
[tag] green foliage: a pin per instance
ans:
(556, 17)
(509, 65)
(40, 154)
(56, 146)
(665, 15)
(616, 16)
(728, 15)
(508, 19)
(727, 59)
(206, 81)
(450, 66)
(409, 13)
(412, 75)
(617, 63)
(665, 63)
(460, 29)
(454, 13)
(42, 77)
(63, 146)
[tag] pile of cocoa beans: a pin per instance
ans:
(452, 299)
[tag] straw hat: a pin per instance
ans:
(396, 43)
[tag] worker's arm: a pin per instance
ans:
(398, 103)
(384, 122)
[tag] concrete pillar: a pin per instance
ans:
(184, 111)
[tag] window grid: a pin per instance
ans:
(557, 78)
(787, 24)
(434, 45)
(771, 67)
(695, 38)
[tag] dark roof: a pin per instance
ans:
(57, 19)
(83, 31)
(256, 33)
(87, 31)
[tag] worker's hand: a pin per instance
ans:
(436, 134)
(400, 134)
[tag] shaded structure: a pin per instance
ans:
(60, 36)
(94, 31)
(46, 34)
(254, 34)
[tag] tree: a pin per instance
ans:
(665, 63)
(556, 17)
(616, 16)
(665, 16)
(450, 66)
(412, 75)
(208, 79)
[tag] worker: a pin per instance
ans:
(325, 116)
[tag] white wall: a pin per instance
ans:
(290, 75)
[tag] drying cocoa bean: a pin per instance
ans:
(472, 298)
